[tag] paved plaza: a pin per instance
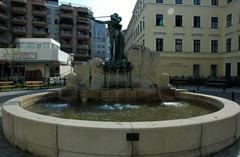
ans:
(8, 150)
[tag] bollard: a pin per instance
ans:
(233, 96)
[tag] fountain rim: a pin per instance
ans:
(13, 106)
(51, 136)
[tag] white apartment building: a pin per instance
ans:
(35, 54)
(191, 37)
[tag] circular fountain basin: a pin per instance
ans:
(121, 111)
(57, 137)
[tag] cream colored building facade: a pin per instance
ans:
(193, 38)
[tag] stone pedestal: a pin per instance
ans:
(117, 74)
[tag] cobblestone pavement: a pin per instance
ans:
(8, 150)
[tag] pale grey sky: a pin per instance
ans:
(107, 7)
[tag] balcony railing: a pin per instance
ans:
(39, 33)
(19, 1)
(66, 7)
(83, 22)
(39, 2)
(83, 46)
(39, 12)
(3, 16)
(82, 36)
(83, 27)
(19, 20)
(66, 26)
(19, 30)
(40, 23)
(83, 9)
(3, 4)
(66, 15)
(66, 35)
(3, 28)
(19, 10)
(81, 18)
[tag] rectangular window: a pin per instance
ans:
(159, 44)
(228, 69)
(159, 1)
(229, 1)
(239, 42)
(214, 2)
(48, 11)
(214, 22)
(229, 45)
(138, 29)
(140, 26)
(196, 21)
(197, 2)
(214, 46)
(238, 69)
(229, 20)
(196, 70)
(178, 45)
(56, 21)
(56, 31)
(159, 20)
(178, 20)
(213, 70)
(196, 46)
(143, 22)
(178, 1)
(56, 12)
(49, 21)
(39, 45)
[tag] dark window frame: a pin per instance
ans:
(196, 45)
(197, 21)
(178, 21)
(214, 46)
(159, 44)
(178, 45)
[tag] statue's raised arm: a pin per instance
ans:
(99, 21)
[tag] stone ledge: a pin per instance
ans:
(208, 133)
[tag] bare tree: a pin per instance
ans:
(10, 56)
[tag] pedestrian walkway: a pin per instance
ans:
(229, 93)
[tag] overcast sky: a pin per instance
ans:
(107, 7)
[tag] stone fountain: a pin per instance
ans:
(117, 79)
(132, 78)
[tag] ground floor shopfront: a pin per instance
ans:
(34, 59)
(29, 71)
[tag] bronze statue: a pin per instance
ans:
(116, 37)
